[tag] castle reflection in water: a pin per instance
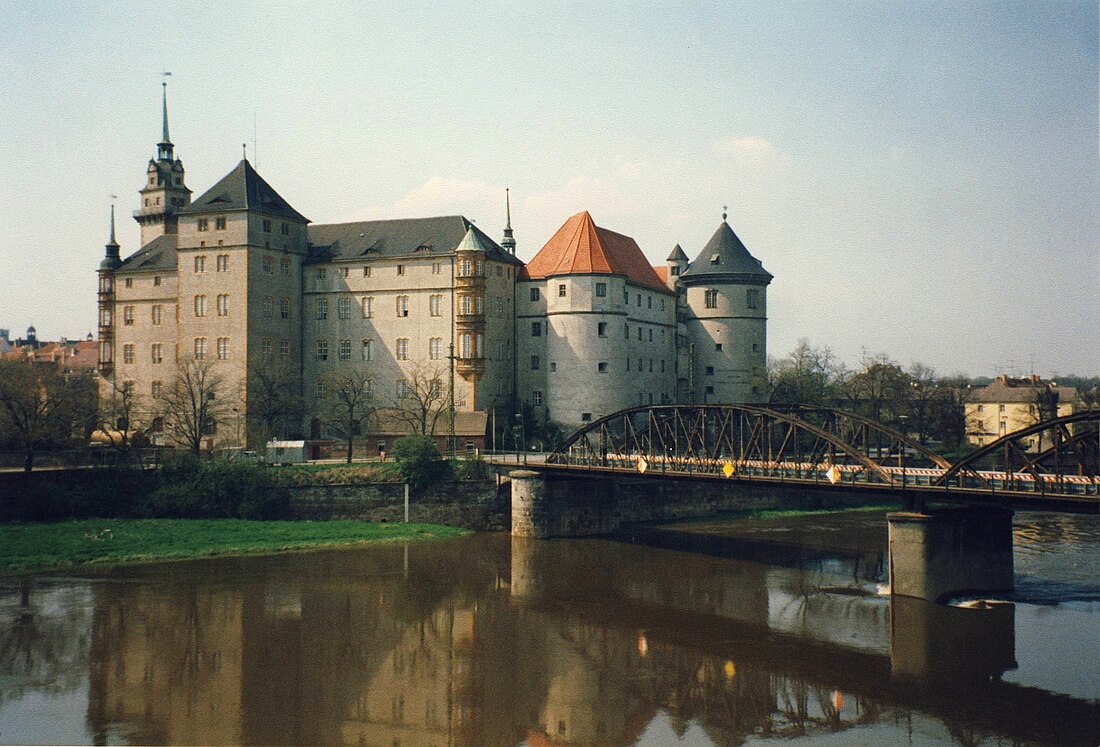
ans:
(499, 641)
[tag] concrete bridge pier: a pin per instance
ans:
(546, 506)
(530, 505)
(937, 554)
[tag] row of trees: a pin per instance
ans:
(914, 399)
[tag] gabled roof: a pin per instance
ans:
(580, 247)
(243, 189)
(1002, 391)
(158, 255)
(725, 255)
(403, 237)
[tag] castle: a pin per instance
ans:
(238, 280)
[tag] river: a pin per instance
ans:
(723, 632)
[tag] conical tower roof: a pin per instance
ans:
(243, 189)
(725, 258)
(677, 255)
(474, 241)
(580, 247)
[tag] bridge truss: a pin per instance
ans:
(825, 445)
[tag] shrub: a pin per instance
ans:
(473, 468)
(418, 460)
(192, 489)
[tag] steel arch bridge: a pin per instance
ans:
(821, 445)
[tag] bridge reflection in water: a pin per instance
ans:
(500, 641)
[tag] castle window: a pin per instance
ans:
(627, 364)
(223, 348)
(534, 294)
(268, 264)
(265, 348)
(105, 284)
(203, 224)
(649, 302)
(284, 308)
(401, 269)
(322, 350)
(366, 272)
(322, 308)
(343, 307)
(200, 305)
(322, 273)
(156, 352)
(269, 307)
(368, 388)
(586, 417)
(639, 333)
(534, 363)
(651, 334)
(156, 389)
(675, 270)
(601, 367)
(267, 225)
(402, 389)
(626, 296)
(219, 224)
(464, 267)
(709, 390)
(601, 329)
(561, 290)
(128, 353)
(200, 348)
(536, 397)
(752, 298)
(128, 315)
(437, 268)
(553, 366)
(284, 266)
(105, 317)
(755, 348)
(285, 229)
(319, 390)
(626, 330)
(284, 349)
(200, 264)
(710, 370)
(345, 350)
(156, 280)
(464, 305)
(662, 365)
(104, 352)
(402, 305)
(368, 353)
(662, 304)
(435, 305)
(718, 347)
(639, 300)
(435, 388)
(601, 290)
(536, 329)
(465, 345)
(128, 392)
(223, 304)
(345, 272)
(435, 348)
(402, 348)
(710, 298)
(222, 262)
(368, 307)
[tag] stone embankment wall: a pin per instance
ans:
(480, 505)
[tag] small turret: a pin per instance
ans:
(111, 259)
(677, 262)
(508, 243)
(164, 193)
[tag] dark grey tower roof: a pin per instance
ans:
(726, 258)
(243, 189)
(677, 255)
(111, 259)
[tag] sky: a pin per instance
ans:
(921, 178)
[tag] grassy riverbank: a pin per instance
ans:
(68, 545)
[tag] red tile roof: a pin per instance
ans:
(580, 247)
(662, 273)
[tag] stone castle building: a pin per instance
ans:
(238, 280)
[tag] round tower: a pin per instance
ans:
(725, 291)
(111, 262)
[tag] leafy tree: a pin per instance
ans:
(418, 460)
(347, 403)
(195, 404)
(274, 401)
(43, 406)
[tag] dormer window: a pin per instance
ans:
(715, 259)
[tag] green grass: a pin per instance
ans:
(66, 545)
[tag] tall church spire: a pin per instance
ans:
(112, 240)
(164, 147)
(508, 243)
(111, 258)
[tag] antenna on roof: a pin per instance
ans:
(724, 209)
(244, 149)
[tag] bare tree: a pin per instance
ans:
(115, 416)
(274, 400)
(348, 401)
(880, 389)
(195, 404)
(807, 375)
(922, 394)
(424, 400)
(42, 405)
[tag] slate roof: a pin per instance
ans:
(580, 247)
(1024, 391)
(677, 255)
(725, 257)
(402, 237)
(243, 189)
(158, 255)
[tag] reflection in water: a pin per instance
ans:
(492, 640)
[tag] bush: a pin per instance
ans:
(473, 468)
(419, 460)
(193, 489)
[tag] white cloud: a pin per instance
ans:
(440, 195)
(744, 145)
